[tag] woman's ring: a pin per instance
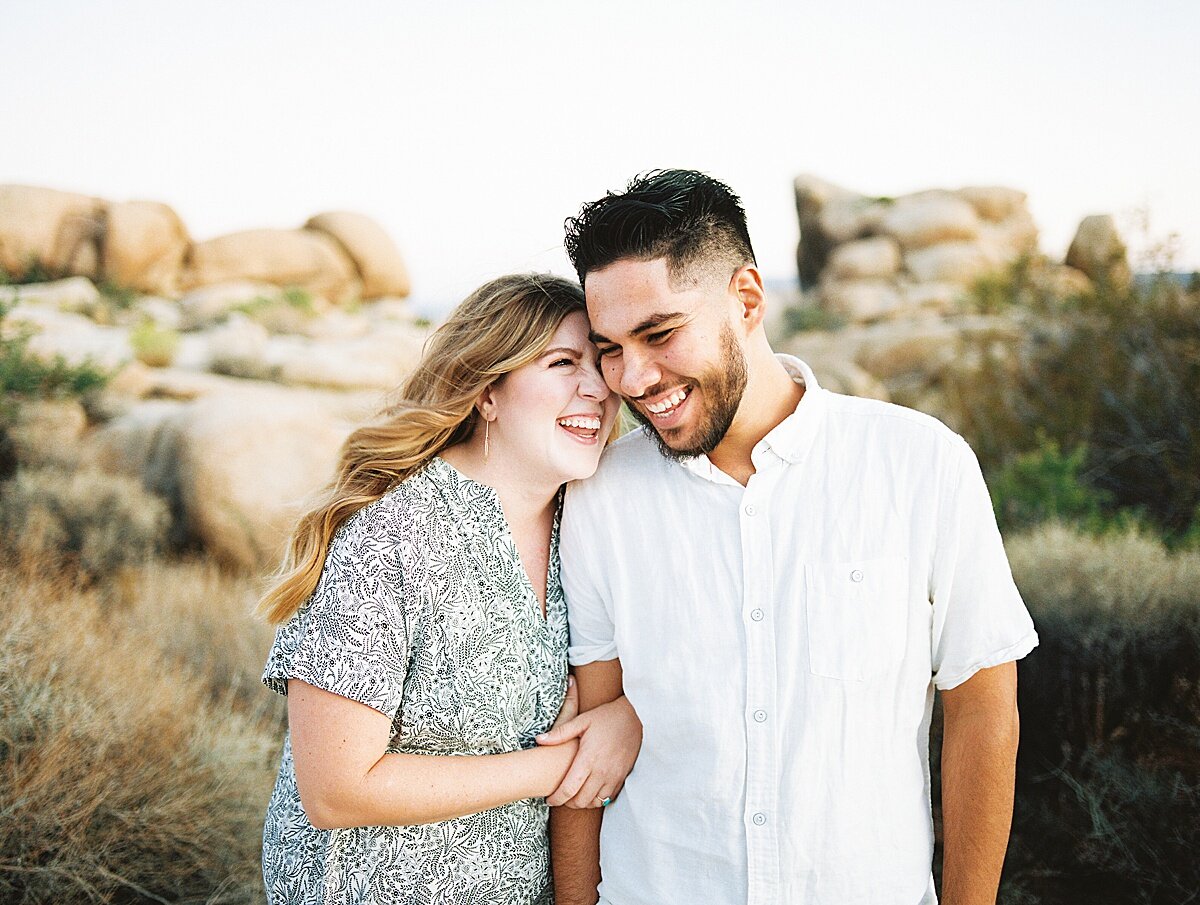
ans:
(604, 802)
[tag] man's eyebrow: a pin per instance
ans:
(654, 320)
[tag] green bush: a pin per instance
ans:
(1115, 371)
(26, 375)
(802, 319)
(1045, 484)
(99, 521)
(153, 345)
(35, 272)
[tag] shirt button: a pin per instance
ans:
(759, 819)
(856, 575)
(750, 509)
(760, 716)
(757, 615)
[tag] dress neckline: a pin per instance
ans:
(478, 488)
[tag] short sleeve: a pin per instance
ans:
(351, 637)
(979, 619)
(589, 603)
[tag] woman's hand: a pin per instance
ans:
(610, 737)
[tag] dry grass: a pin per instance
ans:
(126, 773)
(1108, 783)
(200, 616)
(1126, 574)
(97, 521)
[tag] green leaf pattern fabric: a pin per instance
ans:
(424, 612)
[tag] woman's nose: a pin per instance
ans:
(592, 385)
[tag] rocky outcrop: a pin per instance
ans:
(283, 257)
(144, 246)
(55, 232)
(236, 467)
(869, 259)
(913, 361)
(1098, 251)
(244, 423)
(372, 250)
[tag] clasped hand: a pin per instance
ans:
(610, 737)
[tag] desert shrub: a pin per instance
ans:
(1115, 371)
(288, 312)
(1045, 484)
(26, 375)
(34, 272)
(1108, 781)
(200, 616)
(117, 296)
(122, 780)
(99, 521)
(153, 345)
(805, 318)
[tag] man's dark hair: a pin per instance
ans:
(694, 221)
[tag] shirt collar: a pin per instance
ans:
(789, 440)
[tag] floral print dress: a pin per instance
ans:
(424, 612)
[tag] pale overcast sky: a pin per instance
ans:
(471, 129)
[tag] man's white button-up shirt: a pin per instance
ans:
(781, 642)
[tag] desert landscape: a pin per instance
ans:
(169, 403)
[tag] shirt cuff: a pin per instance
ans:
(583, 654)
(945, 682)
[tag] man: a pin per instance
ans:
(778, 577)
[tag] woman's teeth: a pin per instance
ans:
(588, 424)
(667, 405)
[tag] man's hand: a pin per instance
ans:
(610, 737)
(979, 755)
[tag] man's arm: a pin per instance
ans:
(575, 834)
(979, 756)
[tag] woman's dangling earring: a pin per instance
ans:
(487, 440)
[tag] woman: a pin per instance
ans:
(422, 630)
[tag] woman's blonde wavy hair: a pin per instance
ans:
(501, 326)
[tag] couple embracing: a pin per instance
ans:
(758, 591)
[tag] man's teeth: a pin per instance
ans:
(590, 424)
(667, 404)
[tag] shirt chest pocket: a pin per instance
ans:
(857, 613)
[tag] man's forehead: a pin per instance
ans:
(627, 294)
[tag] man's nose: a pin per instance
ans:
(639, 373)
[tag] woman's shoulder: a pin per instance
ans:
(412, 506)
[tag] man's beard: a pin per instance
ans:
(721, 390)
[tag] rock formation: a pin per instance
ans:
(237, 366)
(872, 258)
(144, 246)
(897, 273)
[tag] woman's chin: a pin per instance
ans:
(581, 467)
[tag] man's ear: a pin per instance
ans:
(747, 286)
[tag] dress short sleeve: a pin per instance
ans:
(351, 637)
(979, 619)
(589, 612)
